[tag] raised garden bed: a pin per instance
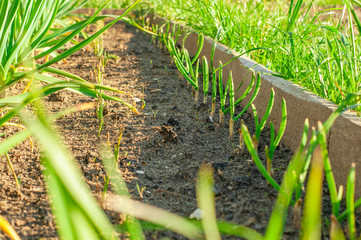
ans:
(165, 162)
(344, 138)
(161, 149)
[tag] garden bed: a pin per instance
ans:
(161, 149)
(344, 138)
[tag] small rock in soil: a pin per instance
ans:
(220, 165)
(172, 122)
(168, 134)
(57, 97)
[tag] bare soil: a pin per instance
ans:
(161, 149)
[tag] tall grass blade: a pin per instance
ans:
(239, 231)
(311, 222)
(232, 105)
(336, 232)
(289, 182)
(350, 204)
(205, 199)
(301, 148)
(155, 215)
(293, 13)
(351, 8)
(67, 181)
(70, 51)
(8, 229)
(118, 185)
(72, 34)
(214, 92)
(328, 172)
(205, 78)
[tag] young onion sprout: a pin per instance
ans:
(185, 64)
(233, 103)
(222, 93)
(205, 79)
(261, 124)
(275, 141)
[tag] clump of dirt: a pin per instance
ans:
(161, 149)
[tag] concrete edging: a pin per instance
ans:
(344, 138)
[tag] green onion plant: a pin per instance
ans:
(350, 202)
(27, 34)
(254, 153)
(335, 196)
(119, 187)
(205, 70)
(185, 64)
(261, 124)
(77, 214)
(336, 231)
(214, 73)
(214, 91)
(205, 199)
(276, 223)
(117, 145)
(99, 74)
(316, 156)
(222, 93)
(275, 141)
(37, 23)
(256, 79)
(311, 221)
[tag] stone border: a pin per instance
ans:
(344, 138)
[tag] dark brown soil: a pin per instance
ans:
(161, 149)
